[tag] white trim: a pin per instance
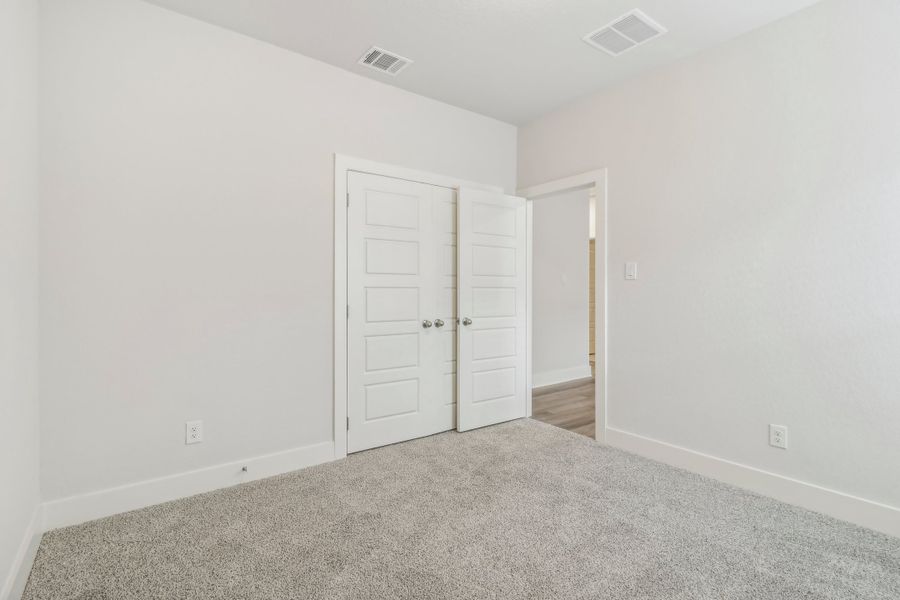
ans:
(342, 165)
(860, 511)
(582, 180)
(561, 375)
(601, 305)
(112, 501)
(596, 179)
(20, 569)
(529, 311)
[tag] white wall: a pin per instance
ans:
(758, 187)
(187, 235)
(560, 291)
(19, 491)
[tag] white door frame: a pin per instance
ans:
(597, 180)
(343, 164)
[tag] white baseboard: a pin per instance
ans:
(545, 378)
(103, 503)
(860, 511)
(21, 567)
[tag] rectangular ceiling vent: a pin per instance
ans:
(384, 61)
(627, 32)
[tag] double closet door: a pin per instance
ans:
(437, 309)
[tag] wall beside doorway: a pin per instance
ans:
(561, 286)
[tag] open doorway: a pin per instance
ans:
(568, 303)
(563, 392)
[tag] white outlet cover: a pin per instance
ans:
(193, 432)
(778, 436)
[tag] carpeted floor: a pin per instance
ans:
(520, 510)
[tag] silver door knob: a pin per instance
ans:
(467, 321)
(426, 323)
(438, 323)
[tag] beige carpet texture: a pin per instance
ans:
(521, 510)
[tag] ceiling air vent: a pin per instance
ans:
(384, 61)
(626, 32)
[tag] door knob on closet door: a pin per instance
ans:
(467, 321)
(426, 323)
(438, 323)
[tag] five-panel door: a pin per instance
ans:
(412, 369)
(401, 265)
(492, 359)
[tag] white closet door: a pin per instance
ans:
(394, 379)
(445, 249)
(491, 365)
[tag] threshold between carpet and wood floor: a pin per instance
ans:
(519, 510)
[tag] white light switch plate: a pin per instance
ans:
(631, 271)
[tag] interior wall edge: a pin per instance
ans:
(846, 507)
(80, 508)
(20, 493)
(24, 559)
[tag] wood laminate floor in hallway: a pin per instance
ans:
(568, 405)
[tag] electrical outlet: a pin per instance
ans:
(778, 436)
(193, 432)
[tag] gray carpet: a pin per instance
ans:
(520, 510)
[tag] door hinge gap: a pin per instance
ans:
(348, 423)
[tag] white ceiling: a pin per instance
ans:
(510, 59)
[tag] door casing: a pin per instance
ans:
(598, 180)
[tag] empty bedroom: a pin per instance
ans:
(506, 299)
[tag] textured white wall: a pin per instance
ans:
(187, 234)
(560, 291)
(19, 490)
(758, 187)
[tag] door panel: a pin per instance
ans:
(393, 305)
(392, 399)
(398, 277)
(492, 365)
(390, 257)
(392, 351)
(445, 257)
(493, 343)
